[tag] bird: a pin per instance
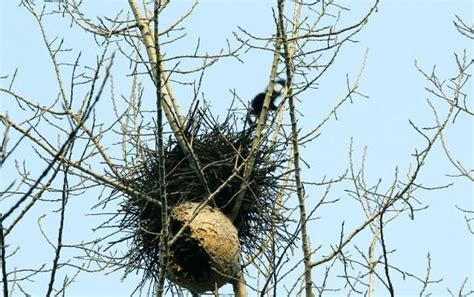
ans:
(256, 104)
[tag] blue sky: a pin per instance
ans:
(399, 33)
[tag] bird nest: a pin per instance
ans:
(220, 149)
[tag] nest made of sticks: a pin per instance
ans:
(220, 149)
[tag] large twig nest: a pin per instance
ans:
(206, 255)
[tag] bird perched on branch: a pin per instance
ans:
(257, 102)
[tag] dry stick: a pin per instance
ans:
(64, 197)
(426, 281)
(371, 265)
(161, 156)
(296, 158)
(3, 150)
(3, 257)
(384, 249)
(170, 106)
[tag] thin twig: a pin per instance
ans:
(59, 245)
(385, 257)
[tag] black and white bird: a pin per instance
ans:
(257, 102)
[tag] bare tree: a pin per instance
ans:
(162, 175)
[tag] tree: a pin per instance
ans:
(143, 158)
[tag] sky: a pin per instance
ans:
(397, 35)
